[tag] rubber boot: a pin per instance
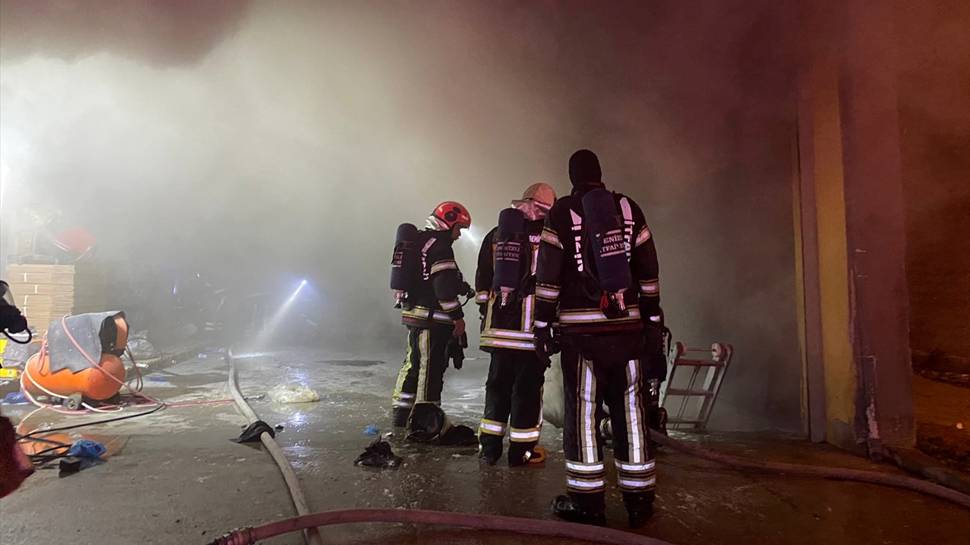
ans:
(399, 416)
(489, 448)
(570, 510)
(639, 508)
(520, 453)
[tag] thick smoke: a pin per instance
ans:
(265, 142)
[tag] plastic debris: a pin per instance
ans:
(85, 448)
(378, 454)
(371, 430)
(14, 398)
(293, 393)
(253, 432)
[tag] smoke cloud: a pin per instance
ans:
(263, 142)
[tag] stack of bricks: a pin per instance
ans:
(44, 293)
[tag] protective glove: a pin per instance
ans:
(456, 350)
(11, 320)
(656, 341)
(482, 314)
(459, 328)
(546, 345)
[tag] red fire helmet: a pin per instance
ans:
(449, 214)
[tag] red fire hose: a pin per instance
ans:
(833, 473)
(546, 528)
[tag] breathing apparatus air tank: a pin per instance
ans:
(609, 250)
(405, 263)
(511, 245)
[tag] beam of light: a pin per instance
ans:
(272, 325)
(251, 355)
(472, 236)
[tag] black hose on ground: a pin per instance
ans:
(800, 470)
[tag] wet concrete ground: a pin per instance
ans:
(943, 421)
(178, 480)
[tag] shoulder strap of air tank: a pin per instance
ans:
(425, 272)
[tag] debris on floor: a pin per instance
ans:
(378, 454)
(293, 393)
(253, 431)
(86, 448)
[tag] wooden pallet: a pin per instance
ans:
(42, 292)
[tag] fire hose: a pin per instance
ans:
(801, 470)
(311, 535)
(519, 525)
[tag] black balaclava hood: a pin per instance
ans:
(584, 169)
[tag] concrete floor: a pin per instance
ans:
(176, 479)
(943, 421)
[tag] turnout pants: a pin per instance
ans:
(422, 374)
(598, 368)
(513, 402)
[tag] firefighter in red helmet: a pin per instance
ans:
(427, 284)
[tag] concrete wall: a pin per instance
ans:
(934, 105)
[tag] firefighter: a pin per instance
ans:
(597, 278)
(505, 293)
(431, 312)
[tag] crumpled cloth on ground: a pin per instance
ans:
(253, 431)
(378, 454)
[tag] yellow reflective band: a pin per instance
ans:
(580, 467)
(543, 292)
(650, 287)
(638, 483)
(593, 316)
(585, 485)
(492, 342)
(492, 427)
(449, 305)
(508, 334)
(643, 236)
(550, 237)
(443, 265)
(636, 468)
(524, 435)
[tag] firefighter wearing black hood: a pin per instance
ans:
(505, 286)
(430, 310)
(597, 278)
